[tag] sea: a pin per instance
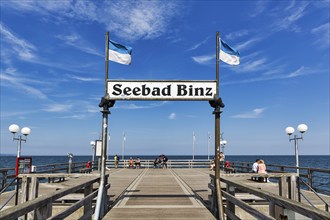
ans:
(321, 181)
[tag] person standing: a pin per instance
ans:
(116, 161)
(165, 159)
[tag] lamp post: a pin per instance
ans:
(193, 147)
(208, 145)
(92, 143)
(302, 128)
(223, 143)
(25, 131)
(123, 147)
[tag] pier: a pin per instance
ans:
(173, 193)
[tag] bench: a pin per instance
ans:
(85, 170)
(260, 177)
(229, 170)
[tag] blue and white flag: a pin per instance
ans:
(119, 53)
(228, 54)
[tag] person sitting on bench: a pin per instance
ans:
(262, 170)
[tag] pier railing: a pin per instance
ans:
(34, 207)
(316, 178)
(8, 174)
(280, 205)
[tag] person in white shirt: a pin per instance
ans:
(255, 166)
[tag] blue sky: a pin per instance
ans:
(52, 74)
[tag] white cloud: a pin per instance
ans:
(199, 44)
(248, 43)
(22, 49)
(206, 59)
(129, 20)
(57, 108)
(260, 7)
(77, 42)
(21, 84)
(236, 34)
(172, 116)
(84, 79)
(255, 113)
(323, 36)
(135, 106)
(133, 20)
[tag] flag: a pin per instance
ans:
(119, 53)
(228, 54)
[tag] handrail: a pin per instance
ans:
(8, 185)
(305, 172)
(327, 205)
(308, 211)
(10, 197)
(8, 200)
(41, 204)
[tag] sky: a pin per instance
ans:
(53, 71)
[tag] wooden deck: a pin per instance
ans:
(164, 193)
(156, 194)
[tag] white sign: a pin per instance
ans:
(98, 148)
(161, 90)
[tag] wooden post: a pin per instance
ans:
(25, 190)
(230, 205)
(44, 212)
(310, 178)
(275, 210)
(88, 205)
(283, 187)
(292, 187)
(33, 193)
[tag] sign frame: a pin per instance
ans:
(23, 165)
(171, 90)
(98, 148)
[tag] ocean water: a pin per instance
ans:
(312, 161)
(321, 180)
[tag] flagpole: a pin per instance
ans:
(106, 103)
(217, 134)
(106, 62)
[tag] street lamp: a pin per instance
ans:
(223, 143)
(123, 147)
(208, 145)
(92, 143)
(302, 128)
(25, 131)
(193, 147)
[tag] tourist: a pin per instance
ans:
(255, 166)
(88, 165)
(222, 159)
(138, 163)
(130, 162)
(116, 160)
(164, 160)
(212, 165)
(262, 170)
(262, 167)
(157, 161)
